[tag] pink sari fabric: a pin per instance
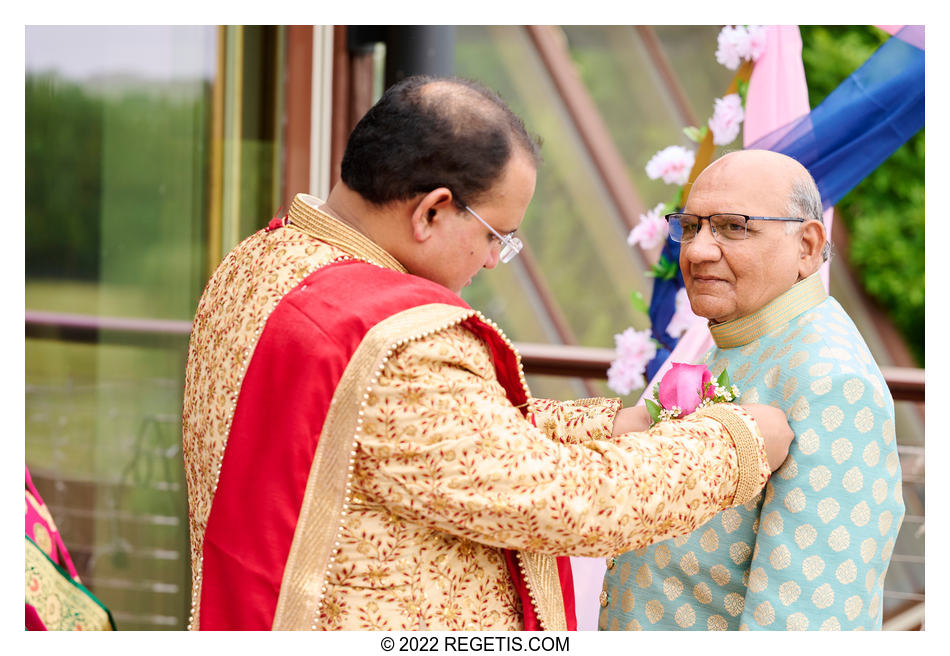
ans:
(42, 530)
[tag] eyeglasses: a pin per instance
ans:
(511, 246)
(724, 227)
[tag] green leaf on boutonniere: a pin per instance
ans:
(664, 269)
(654, 410)
(639, 303)
(723, 380)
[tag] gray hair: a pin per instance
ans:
(805, 201)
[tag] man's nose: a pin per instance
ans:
(494, 256)
(704, 245)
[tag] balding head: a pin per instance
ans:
(430, 132)
(726, 280)
(758, 177)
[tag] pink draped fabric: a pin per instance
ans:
(778, 95)
(890, 29)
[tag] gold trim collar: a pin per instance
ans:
(305, 217)
(803, 296)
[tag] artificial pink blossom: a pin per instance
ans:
(737, 43)
(683, 316)
(651, 230)
(726, 119)
(757, 41)
(636, 346)
(684, 386)
(673, 164)
(634, 351)
(731, 42)
(623, 377)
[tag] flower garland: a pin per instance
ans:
(738, 47)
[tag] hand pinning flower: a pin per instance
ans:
(652, 229)
(673, 164)
(726, 119)
(686, 387)
(634, 352)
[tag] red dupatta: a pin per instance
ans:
(306, 344)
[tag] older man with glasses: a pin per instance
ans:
(811, 551)
(362, 450)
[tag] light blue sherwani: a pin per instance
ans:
(811, 551)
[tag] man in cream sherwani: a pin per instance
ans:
(811, 551)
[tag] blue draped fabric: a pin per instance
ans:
(858, 126)
(662, 306)
(862, 122)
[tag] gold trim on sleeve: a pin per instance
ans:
(747, 450)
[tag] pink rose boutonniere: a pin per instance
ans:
(686, 387)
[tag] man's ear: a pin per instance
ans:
(425, 212)
(810, 247)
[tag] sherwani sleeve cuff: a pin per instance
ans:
(750, 448)
(575, 422)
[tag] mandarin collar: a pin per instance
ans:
(306, 217)
(801, 297)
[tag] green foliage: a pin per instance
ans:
(695, 134)
(884, 214)
(664, 269)
(116, 179)
(63, 179)
(639, 303)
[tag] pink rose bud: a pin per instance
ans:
(683, 386)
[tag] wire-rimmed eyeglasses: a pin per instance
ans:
(724, 227)
(510, 245)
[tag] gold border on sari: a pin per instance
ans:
(544, 587)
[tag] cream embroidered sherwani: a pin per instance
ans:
(445, 471)
(812, 550)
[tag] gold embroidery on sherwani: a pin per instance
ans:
(326, 497)
(231, 315)
(230, 318)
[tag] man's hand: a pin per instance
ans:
(776, 431)
(631, 420)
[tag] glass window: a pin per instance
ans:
(150, 151)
